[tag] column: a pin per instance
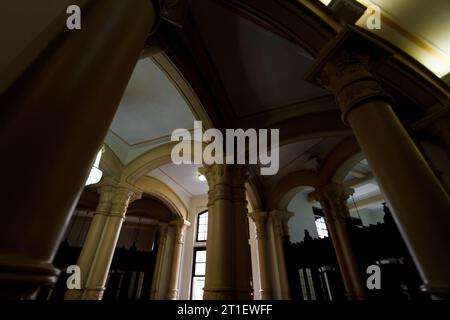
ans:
(180, 231)
(279, 220)
(96, 281)
(228, 267)
(420, 204)
(57, 114)
(93, 236)
(162, 239)
(333, 199)
(260, 219)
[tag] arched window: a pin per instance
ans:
(202, 227)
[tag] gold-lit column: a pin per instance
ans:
(279, 220)
(333, 199)
(180, 231)
(162, 239)
(56, 115)
(93, 236)
(260, 220)
(242, 262)
(95, 285)
(227, 277)
(420, 205)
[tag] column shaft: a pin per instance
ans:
(420, 204)
(58, 114)
(180, 226)
(260, 219)
(162, 239)
(333, 199)
(96, 281)
(277, 218)
(228, 267)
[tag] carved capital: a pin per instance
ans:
(260, 220)
(226, 182)
(123, 196)
(348, 77)
(333, 199)
(180, 229)
(280, 219)
(162, 234)
(344, 67)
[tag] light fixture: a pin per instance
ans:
(96, 174)
(201, 177)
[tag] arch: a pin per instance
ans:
(287, 187)
(334, 166)
(164, 193)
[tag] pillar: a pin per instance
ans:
(57, 114)
(92, 240)
(96, 281)
(228, 266)
(333, 199)
(180, 231)
(419, 202)
(162, 239)
(260, 218)
(279, 219)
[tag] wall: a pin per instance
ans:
(303, 218)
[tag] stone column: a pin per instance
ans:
(228, 267)
(180, 231)
(162, 239)
(333, 199)
(279, 220)
(96, 281)
(420, 204)
(93, 236)
(53, 120)
(260, 218)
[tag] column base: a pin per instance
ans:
(73, 294)
(172, 295)
(265, 295)
(437, 292)
(21, 278)
(227, 294)
(93, 294)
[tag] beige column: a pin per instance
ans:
(228, 267)
(260, 218)
(333, 199)
(162, 239)
(95, 284)
(419, 203)
(92, 239)
(53, 120)
(180, 231)
(279, 221)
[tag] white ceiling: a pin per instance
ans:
(151, 108)
(182, 178)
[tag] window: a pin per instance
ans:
(321, 226)
(202, 227)
(198, 274)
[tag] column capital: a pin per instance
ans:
(344, 68)
(280, 220)
(224, 181)
(180, 228)
(260, 220)
(333, 199)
